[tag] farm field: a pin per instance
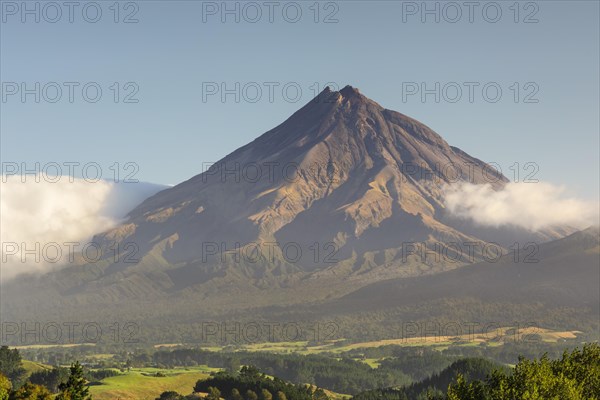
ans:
(493, 338)
(142, 383)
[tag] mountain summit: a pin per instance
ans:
(341, 170)
(344, 181)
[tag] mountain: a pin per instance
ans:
(342, 195)
(343, 173)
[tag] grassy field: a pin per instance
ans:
(372, 362)
(493, 338)
(496, 337)
(32, 366)
(140, 383)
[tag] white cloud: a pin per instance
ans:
(528, 205)
(45, 213)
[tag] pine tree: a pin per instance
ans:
(75, 387)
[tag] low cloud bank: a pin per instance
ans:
(35, 215)
(531, 206)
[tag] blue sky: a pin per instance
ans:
(177, 48)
